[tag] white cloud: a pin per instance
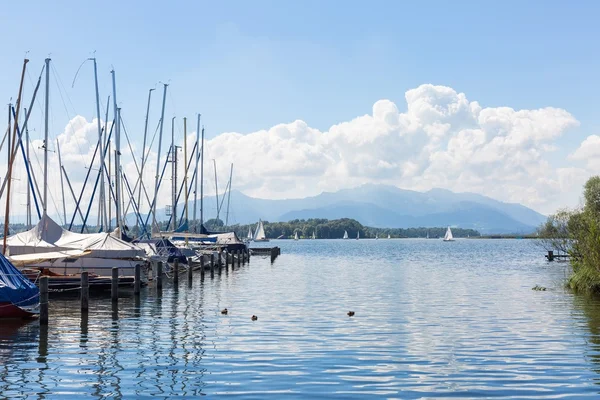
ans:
(442, 140)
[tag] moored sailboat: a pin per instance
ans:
(19, 297)
(345, 235)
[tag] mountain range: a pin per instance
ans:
(382, 206)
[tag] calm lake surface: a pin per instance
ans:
(433, 320)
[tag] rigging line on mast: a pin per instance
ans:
(39, 164)
(56, 79)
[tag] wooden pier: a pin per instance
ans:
(274, 252)
(551, 256)
(114, 284)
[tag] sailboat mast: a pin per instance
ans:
(28, 186)
(141, 179)
(216, 187)
(185, 168)
(196, 167)
(12, 155)
(229, 196)
(62, 185)
(45, 201)
(101, 141)
(117, 113)
(201, 179)
(162, 119)
(173, 175)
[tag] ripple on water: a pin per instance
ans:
(432, 320)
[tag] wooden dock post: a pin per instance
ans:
(212, 264)
(189, 271)
(248, 254)
(220, 258)
(550, 255)
(176, 272)
(202, 258)
(239, 258)
(159, 273)
(114, 284)
(85, 291)
(44, 300)
(137, 279)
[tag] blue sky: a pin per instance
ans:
(248, 66)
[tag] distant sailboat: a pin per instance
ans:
(448, 237)
(427, 234)
(314, 236)
(259, 234)
(250, 234)
(389, 237)
(357, 235)
(345, 234)
(376, 237)
(296, 235)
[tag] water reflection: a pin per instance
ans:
(429, 323)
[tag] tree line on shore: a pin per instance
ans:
(334, 229)
(576, 232)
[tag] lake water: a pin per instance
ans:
(433, 320)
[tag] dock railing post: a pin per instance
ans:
(159, 273)
(85, 291)
(114, 284)
(189, 271)
(176, 272)
(137, 279)
(44, 300)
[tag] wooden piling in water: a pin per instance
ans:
(550, 255)
(248, 255)
(137, 279)
(114, 284)
(85, 291)
(212, 263)
(239, 258)
(176, 272)
(159, 273)
(219, 259)
(189, 271)
(44, 300)
(202, 258)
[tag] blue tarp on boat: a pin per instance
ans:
(15, 288)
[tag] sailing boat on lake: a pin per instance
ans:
(250, 234)
(259, 234)
(345, 234)
(313, 235)
(448, 237)
(389, 237)
(357, 235)
(296, 235)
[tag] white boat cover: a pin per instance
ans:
(48, 236)
(227, 238)
(36, 258)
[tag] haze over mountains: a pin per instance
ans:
(383, 207)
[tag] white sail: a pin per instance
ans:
(259, 234)
(345, 234)
(250, 233)
(296, 235)
(448, 237)
(376, 237)
(314, 236)
(389, 237)
(357, 235)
